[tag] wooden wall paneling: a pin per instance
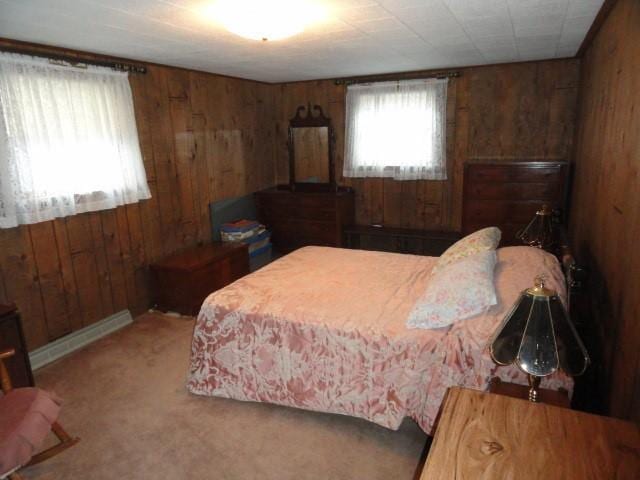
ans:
(513, 111)
(373, 194)
(127, 262)
(113, 254)
(460, 151)
(138, 261)
(203, 168)
(393, 201)
(67, 273)
(102, 268)
(561, 119)
(605, 212)
(164, 159)
(203, 175)
(444, 220)
(149, 209)
(4, 298)
(249, 176)
(186, 183)
(410, 214)
(47, 263)
(265, 118)
(84, 268)
(202, 137)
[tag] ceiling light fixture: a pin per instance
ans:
(266, 19)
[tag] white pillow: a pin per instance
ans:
(458, 291)
(478, 241)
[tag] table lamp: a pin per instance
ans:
(539, 232)
(538, 336)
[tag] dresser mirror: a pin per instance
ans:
(311, 150)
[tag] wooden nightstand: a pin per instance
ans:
(486, 436)
(182, 281)
(559, 398)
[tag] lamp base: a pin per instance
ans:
(534, 383)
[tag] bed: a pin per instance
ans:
(324, 329)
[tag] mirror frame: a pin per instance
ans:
(302, 120)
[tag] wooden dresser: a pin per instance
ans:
(182, 281)
(300, 218)
(12, 336)
(486, 436)
(508, 194)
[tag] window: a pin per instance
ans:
(68, 141)
(397, 130)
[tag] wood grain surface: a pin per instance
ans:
(605, 217)
(203, 138)
(508, 112)
(487, 436)
(207, 137)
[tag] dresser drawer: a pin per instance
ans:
(516, 191)
(298, 218)
(271, 213)
(512, 173)
(507, 195)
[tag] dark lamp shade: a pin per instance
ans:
(538, 336)
(539, 232)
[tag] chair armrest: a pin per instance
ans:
(9, 352)
(5, 381)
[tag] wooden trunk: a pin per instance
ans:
(182, 281)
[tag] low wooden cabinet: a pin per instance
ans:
(400, 240)
(300, 218)
(12, 336)
(182, 281)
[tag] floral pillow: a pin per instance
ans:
(461, 290)
(480, 241)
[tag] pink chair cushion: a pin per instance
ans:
(26, 415)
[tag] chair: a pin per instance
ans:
(26, 417)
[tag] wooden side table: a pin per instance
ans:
(12, 336)
(484, 436)
(182, 281)
(559, 398)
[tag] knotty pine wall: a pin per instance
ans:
(206, 137)
(503, 112)
(605, 216)
(203, 137)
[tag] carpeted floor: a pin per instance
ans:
(125, 397)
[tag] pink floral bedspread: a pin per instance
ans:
(324, 329)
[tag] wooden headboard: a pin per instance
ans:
(507, 194)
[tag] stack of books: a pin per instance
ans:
(250, 232)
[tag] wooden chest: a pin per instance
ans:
(12, 336)
(182, 281)
(297, 219)
(508, 194)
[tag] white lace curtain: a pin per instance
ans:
(397, 130)
(68, 141)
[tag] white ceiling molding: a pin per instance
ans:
(359, 37)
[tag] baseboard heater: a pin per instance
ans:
(78, 339)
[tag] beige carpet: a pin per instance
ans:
(125, 397)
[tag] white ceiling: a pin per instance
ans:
(359, 37)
